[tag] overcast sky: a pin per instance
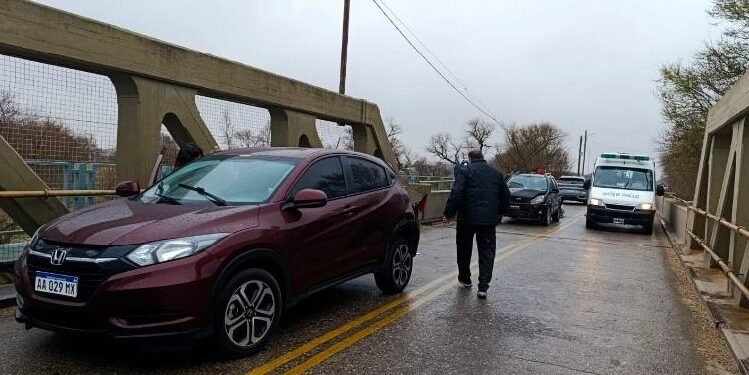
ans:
(579, 64)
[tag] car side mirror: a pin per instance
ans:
(660, 190)
(555, 190)
(307, 198)
(127, 188)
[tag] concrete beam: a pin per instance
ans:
(28, 213)
(42, 33)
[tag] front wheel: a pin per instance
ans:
(647, 228)
(547, 220)
(590, 224)
(398, 267)
(247, 312)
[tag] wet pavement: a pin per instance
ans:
(564, 300)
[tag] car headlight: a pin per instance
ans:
(595, 202)
(645, 206)
(538, 200)
(162, 251)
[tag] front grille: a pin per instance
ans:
(620, 207)
(88, 279)
(90, 274)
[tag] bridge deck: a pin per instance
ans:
(564, 300)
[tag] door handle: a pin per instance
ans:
(349, 211)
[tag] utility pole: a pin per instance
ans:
(579, 155)
(344, 47)
(585, 150)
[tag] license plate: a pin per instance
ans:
(56, 284)
(618, 221)
(514, 207)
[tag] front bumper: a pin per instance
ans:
(527, 211)
(168, 299)
(607, 215)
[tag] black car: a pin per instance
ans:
(534, 197)
(571, 189)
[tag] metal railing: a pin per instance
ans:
(730, 273)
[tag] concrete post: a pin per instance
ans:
(28, 213)
(720, 150)
(143, 105)
(292, 129)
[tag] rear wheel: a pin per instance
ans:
(247, 312)
(398, 267)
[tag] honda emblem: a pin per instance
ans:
(58, 257)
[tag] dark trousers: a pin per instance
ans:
(486, 241)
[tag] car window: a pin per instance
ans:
(367, 176)
(534, 182)
(326, 175)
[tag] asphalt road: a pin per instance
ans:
(564, 300)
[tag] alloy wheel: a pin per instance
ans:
(249, 313)
(402, 263)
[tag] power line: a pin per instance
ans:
(442, 75)
(437, 59)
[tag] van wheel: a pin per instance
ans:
(247, 312)
(398, 267)
(647, 229)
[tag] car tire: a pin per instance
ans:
(647, 229)
(547, 220)
(555, 217)
(247, 312)
(398, 267)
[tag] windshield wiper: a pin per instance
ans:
(218, 201)
(163, 197)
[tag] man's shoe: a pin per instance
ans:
(465, 283)
(481, 294)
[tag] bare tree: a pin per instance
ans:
(403, 155)
(445, 148)
(479, 134)
(250, 138)
(228, 129)
(533, 146)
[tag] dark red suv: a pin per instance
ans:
(220, 247)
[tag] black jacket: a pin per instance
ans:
(479, 194)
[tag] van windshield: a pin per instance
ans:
(623, 178)
(234, 180)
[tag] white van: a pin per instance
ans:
(622, 190)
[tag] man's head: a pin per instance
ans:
(187, 153)
(475, 155)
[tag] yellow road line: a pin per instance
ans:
(312, 344)
(376, 326)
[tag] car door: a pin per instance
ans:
(370, 185)
(319, 238)
(555, 196)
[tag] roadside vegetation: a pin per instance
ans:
(688, 89)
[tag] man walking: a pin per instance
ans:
(479, 196)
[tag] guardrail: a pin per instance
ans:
(730, 273)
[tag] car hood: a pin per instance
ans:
(130, 222)
(525, 193)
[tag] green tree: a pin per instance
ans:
(688, 90)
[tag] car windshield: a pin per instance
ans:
(623, 178)
(234, 180)
(527, 182)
